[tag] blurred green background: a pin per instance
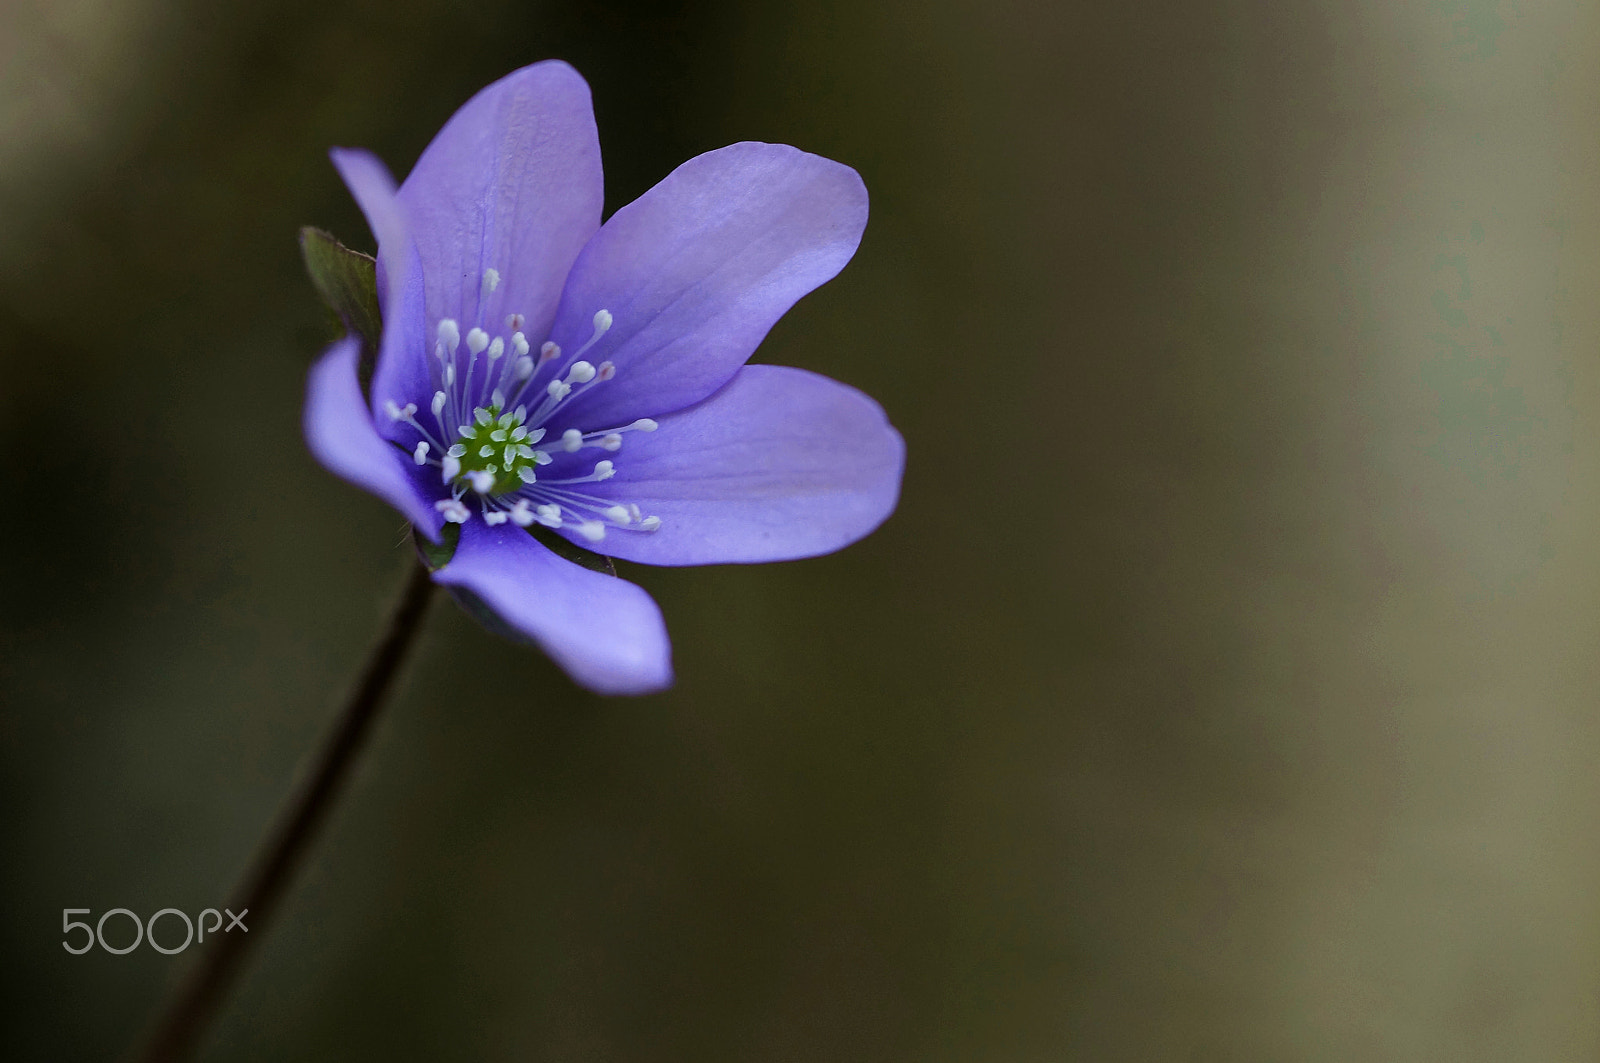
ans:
(1222, 690)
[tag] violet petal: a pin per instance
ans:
(606, 632)
(781, 463)
(697, 270)
(341, 435)
(511, 183)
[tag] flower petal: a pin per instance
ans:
(606, 632)
(782, 463)
(402, 372)
(699, 268)
(513, 183)
(340, 433)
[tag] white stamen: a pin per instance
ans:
(439, 399)
(524, 369)
(514, 322)
(602, 321)
(607, 370)
(611, 441)
(420, 455)
(580, 373)
(450, 375)
(477, 340)
(650, 524)
(493, 517)
(571, 440)
(522, 513)
(548, 352)
(399, 413)
(451, 466)
(491, 280)
(604, 470)
(497, 347)
(558, 390)
(453, 510)
(449, 334)
(549, 515)
(592, 530)
(482, 480)
(644, 424)
(519, 343)
(619, 514)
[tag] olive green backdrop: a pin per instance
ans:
(1222, 690)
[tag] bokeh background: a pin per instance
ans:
(1224, 688)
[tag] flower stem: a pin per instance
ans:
(191, 1007)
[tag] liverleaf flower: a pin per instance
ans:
(539, 370)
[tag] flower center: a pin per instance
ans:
(497, 401)
(495, 452)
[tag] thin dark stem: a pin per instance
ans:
(191, 1008)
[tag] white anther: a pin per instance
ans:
(527, 475)
(549, 515)
(450, 375)
(633, 511)
(498, 397)
(519, 415)
(541, 458)
(456, 450)
(439, 399)
(644, 424)
(619, 514)
(525, 450)
(521, 513)
(453, 510)
(482, 480)
(571, 440)
(451, 467)
(497, 347)
(558, 389)
(477, 340)
(420, 455)
(535, 435)
(518, 434)
(485, 451)
(611, 441)
(399, 413)
(491, 280)
(498, 435)
(514, 322)
(495, 517)
(524, 369)
(592, 530)
(510, 454)
(602, 321)
(604, 470)
(481, 415)
(580, 373)
(607, 370)
(449, 334)
(519, 344)
(650, 524)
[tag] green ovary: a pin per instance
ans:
(497, 443)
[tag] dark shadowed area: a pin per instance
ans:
(1222, 690)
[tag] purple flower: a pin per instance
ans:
(538, 368)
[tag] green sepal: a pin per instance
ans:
(437, 555)
(348, 282)
(576, 554)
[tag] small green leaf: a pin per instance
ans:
(348, 282)
(576, 554)
(437, 555)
